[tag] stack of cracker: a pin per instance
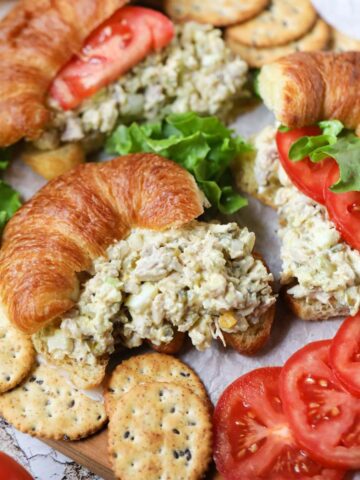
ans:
(260, 31)
(160, 420)
(343, 43)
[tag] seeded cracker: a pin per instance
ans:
(219, 13)
(17, 355)
(282, 22)
(152, 367)
(160, 430)
(45, 405)
(317, 39)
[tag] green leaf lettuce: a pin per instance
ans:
(202, 145)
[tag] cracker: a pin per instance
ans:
(316, 39)
(81, 375)
(219, 13)
(151, 367)
(17, 355)
(160, 430)
(282, 22)
(47, 406)
(343, 43)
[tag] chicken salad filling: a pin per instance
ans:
(195, 72)
(326, 269)
(194, 279)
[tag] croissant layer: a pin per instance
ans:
(74, 218)
(306, 87)
(36, 39)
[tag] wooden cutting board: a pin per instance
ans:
(90, 453)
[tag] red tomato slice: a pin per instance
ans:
(345, 354)
(307, 176)
(11, 470)
(119, 44)
(324, 416)
(344, 210)
(253, 439)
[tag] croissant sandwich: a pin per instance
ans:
(112, 253)
(76, 80)
(308, 169)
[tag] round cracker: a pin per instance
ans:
(47, 406)
(17, 355)
(219, 13)
(160, 430)
(343, 43)
(151, 367)
(282, 22)
(317, 39)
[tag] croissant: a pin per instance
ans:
(306, 87)
(74, 218)
(36, 39)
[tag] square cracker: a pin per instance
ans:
(160, 431)
(17, 355)
(46, 405)
(151, 367)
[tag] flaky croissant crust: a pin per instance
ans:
(306, 87)
(74, 218)
(37, 38)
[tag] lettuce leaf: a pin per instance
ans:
(9, 198)
(202, 145)
(335, 142)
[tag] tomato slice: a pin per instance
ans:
(324, 416)
(344, 210)
(116, 46)
(307, 176)
(11, 470)
(253, 439)
(345, 354)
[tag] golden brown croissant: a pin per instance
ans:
(74, 218)
(36, 39)
(303, 88)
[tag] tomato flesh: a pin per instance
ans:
(324, 416)
(307, 176)
(11, 470)
(253, 439)
(345, 354)
(116, 46)
(344, 210)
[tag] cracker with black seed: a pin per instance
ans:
(152, 367)
(282, 22)
(160, 430)
(316, 39)
(46, 405)
(219, 13)
(17, 355)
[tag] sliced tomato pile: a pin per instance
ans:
(345, 354)
(298, 422)
(323, 414)
(119, 44)
(314, 180)
(253, 439)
